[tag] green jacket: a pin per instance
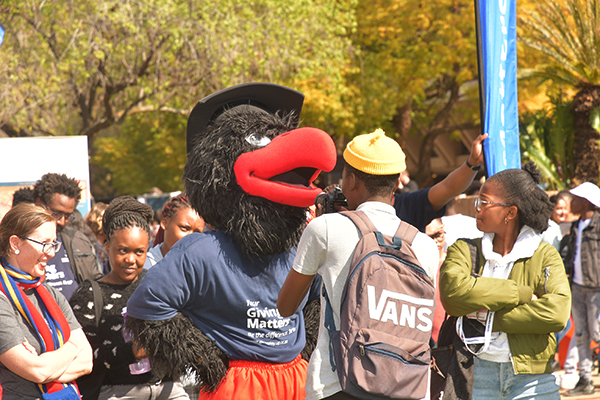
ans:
(529, 324)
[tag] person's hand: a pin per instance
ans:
(476, 156)
(534, 297)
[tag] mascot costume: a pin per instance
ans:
(210, 305)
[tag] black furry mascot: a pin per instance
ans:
(210, 305)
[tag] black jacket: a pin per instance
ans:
(590, 252)
(81, 253)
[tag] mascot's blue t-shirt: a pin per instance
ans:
(231, 299)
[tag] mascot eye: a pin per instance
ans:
(258, 140)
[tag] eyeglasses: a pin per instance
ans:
(58, 215)
(46, 247)
(479, 203)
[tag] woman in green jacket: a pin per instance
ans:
(518, 290)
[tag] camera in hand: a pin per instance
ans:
(330, 198)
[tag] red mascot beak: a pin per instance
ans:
(284, 170)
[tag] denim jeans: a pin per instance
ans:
(585, 308)
(497, 381)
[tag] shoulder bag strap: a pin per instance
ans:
(474, 249)
(98, 302)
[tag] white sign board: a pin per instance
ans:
(24, 160)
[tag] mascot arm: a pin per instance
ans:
(175, 346)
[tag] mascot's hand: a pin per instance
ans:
(175, 346)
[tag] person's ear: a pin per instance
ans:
(512, 213)
(163, 223)
(13, 242)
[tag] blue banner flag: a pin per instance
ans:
(498, 65)
(1, 35)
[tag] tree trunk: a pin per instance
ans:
(402, 122)
(586, 142)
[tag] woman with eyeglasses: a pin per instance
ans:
(42, 346)
(517, 291)
(120, 371)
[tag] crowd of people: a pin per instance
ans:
(516, 271)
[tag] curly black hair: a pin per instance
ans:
(126, 212)
(23, 195)
(52, 183)
(519, 187)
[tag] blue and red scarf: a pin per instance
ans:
(50, 325)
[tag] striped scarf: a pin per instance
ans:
(50, 325)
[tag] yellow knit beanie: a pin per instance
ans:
(375, 154)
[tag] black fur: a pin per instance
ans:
(258, 226)
(175, 346)
(312, 317)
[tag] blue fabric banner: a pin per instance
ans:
(498, 24)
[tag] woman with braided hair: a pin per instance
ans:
(513, 286)
(179, 219)
(126, 225)
(42, 347)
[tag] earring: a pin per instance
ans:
(17, 251)
(506, 220)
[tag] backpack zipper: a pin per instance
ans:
(366, 348)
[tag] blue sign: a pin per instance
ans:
(1, 35)
(498, 24)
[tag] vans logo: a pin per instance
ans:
(387, 310)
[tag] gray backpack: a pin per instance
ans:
(381, 349)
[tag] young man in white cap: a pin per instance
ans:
(370, 177)
(583, 267)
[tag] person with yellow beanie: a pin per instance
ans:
(370, 177)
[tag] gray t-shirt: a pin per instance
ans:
(13, 331)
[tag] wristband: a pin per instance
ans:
(474, 168)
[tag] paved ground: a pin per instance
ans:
(595, 396)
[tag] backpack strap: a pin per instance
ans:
(476, 256)
(365, 226)
(329, 324)
(98, 302)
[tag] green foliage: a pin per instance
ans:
(595, 118)
(568, 34)
(410, 51)
(547, 139)
(147, 151)
(85, 67)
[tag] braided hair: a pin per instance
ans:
(172, 206)
(126, 212)
(520, 188)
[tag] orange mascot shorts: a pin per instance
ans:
(262, 381)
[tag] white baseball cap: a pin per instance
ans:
(588, 191)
